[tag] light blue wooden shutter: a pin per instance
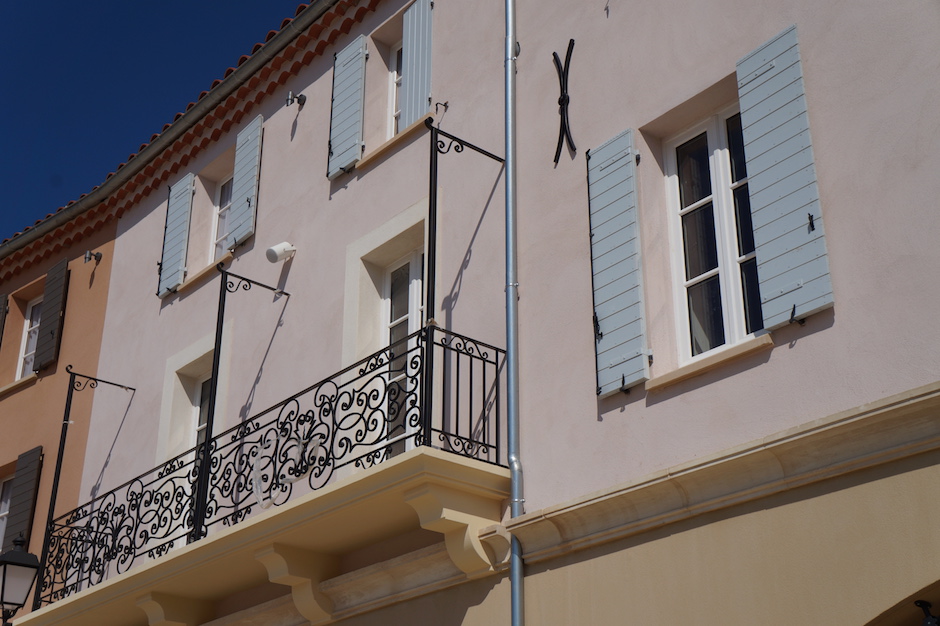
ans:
(349, 72)
(416, 63)
(788, 226)
(176, 235)
(245, 183)
(53, 314)
(620, 328)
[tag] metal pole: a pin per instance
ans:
(432, 227)
(517, 501)
(202, 454)
(55, 487)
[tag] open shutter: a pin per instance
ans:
(176, 236)
(416, 63)
(4, 307)
(53, 314)
(788, 226)
(619, 324)
(349, 72)
(245, 183)
(23, 496)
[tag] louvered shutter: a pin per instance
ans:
(788, 227)
(416, 63)
(53, 313)
(349, 72)
(4, 307)
(23, 496)
(620, 328)
(245, 183)
(176, 236)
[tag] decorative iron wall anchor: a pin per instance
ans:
(564, 132)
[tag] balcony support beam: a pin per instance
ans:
(163, 609)
(302, 571)
(460, 517)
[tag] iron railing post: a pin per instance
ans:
(203, 463)
(55, 488)
(432, 226)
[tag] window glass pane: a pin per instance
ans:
(742, 212)
(694, 179)
(225, 194)
(750, 285)
(705, 320)
(399, 292)
(736, 148)
(698, 235)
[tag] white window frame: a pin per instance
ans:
(197, 407)
(25, 351)
(394, 89)
(6, 497)
(415, 294)
(729, 262)
(219, 239)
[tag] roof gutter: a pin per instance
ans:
(167, 138)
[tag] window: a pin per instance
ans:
(6, 491)
(30, 338)
(222, 205)
(221, 200)
(403, 312)
(748, 231)
(201, 406)
(708, 192)
(394, 90)
(402, 47)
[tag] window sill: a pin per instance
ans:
(18, 384)
(750, 346)
(192, 281)
(368, 159)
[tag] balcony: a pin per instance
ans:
(406, 443)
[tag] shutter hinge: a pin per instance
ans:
(812, 225)
(637, 158)
(329, 146)
(598, 333)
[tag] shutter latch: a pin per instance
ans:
(598, 333)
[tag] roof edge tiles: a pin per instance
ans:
(291, 28)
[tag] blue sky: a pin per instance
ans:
(86, 83)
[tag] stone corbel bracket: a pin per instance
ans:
(461, 517)
(302, 571)
(164, 609)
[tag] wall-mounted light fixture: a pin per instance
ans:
(18, 570)
(929, 618)
(89, 255)
(280, 252)
(298, 98)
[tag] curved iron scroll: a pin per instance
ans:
(564, 131)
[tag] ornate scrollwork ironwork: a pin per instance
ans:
(564, 130)
(359, 417)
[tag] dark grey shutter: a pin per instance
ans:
(620, 328)
(23, 496)
(788, 226)
(245, 183)
(349, 73)
(416, 63)
(4, 307)
(176, 235)
(53, 314)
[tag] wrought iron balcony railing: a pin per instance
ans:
(433, 388)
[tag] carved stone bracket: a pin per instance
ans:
(302, 571)
(163, 609)
(460, 517)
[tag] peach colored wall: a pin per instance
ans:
(32, 415)
(632, 63)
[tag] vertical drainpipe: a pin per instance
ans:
(512, 318)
